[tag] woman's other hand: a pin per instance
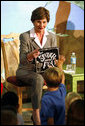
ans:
(33, 55)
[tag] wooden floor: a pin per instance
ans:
(27, 115)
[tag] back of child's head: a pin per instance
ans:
(53, 76)
(8, 115)
(75, 114)
(9, 98)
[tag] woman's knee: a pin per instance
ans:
(40, 78)
(38, 82)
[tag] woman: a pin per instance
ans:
(30, 43)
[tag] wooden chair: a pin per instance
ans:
(12, 79)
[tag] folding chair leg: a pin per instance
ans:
(19, 93)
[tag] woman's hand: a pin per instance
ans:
(60, 61)
(33, 55)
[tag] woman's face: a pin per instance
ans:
(40, 25)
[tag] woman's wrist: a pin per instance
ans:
(29, 57)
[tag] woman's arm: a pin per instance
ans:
(33, 54)
(26, 55)
(24, 49)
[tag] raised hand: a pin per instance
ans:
(60, 61)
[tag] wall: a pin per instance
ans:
(70, 20)
(15, 15)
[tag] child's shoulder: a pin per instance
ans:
(62, 88)
(62, 85)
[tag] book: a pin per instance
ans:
(46, 58)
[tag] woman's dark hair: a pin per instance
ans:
(40, 13)
(75, 113)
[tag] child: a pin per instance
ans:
(75, 113)
(10, 98)
(71, 97)
(53, 101)
(8, 115)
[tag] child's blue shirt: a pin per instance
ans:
(53, 105)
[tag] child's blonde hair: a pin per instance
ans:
(53, 76)
(70, 98)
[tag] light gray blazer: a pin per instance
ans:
(27, 45)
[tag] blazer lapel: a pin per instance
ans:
(34, 44)
(35, 41)
(48, 42)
